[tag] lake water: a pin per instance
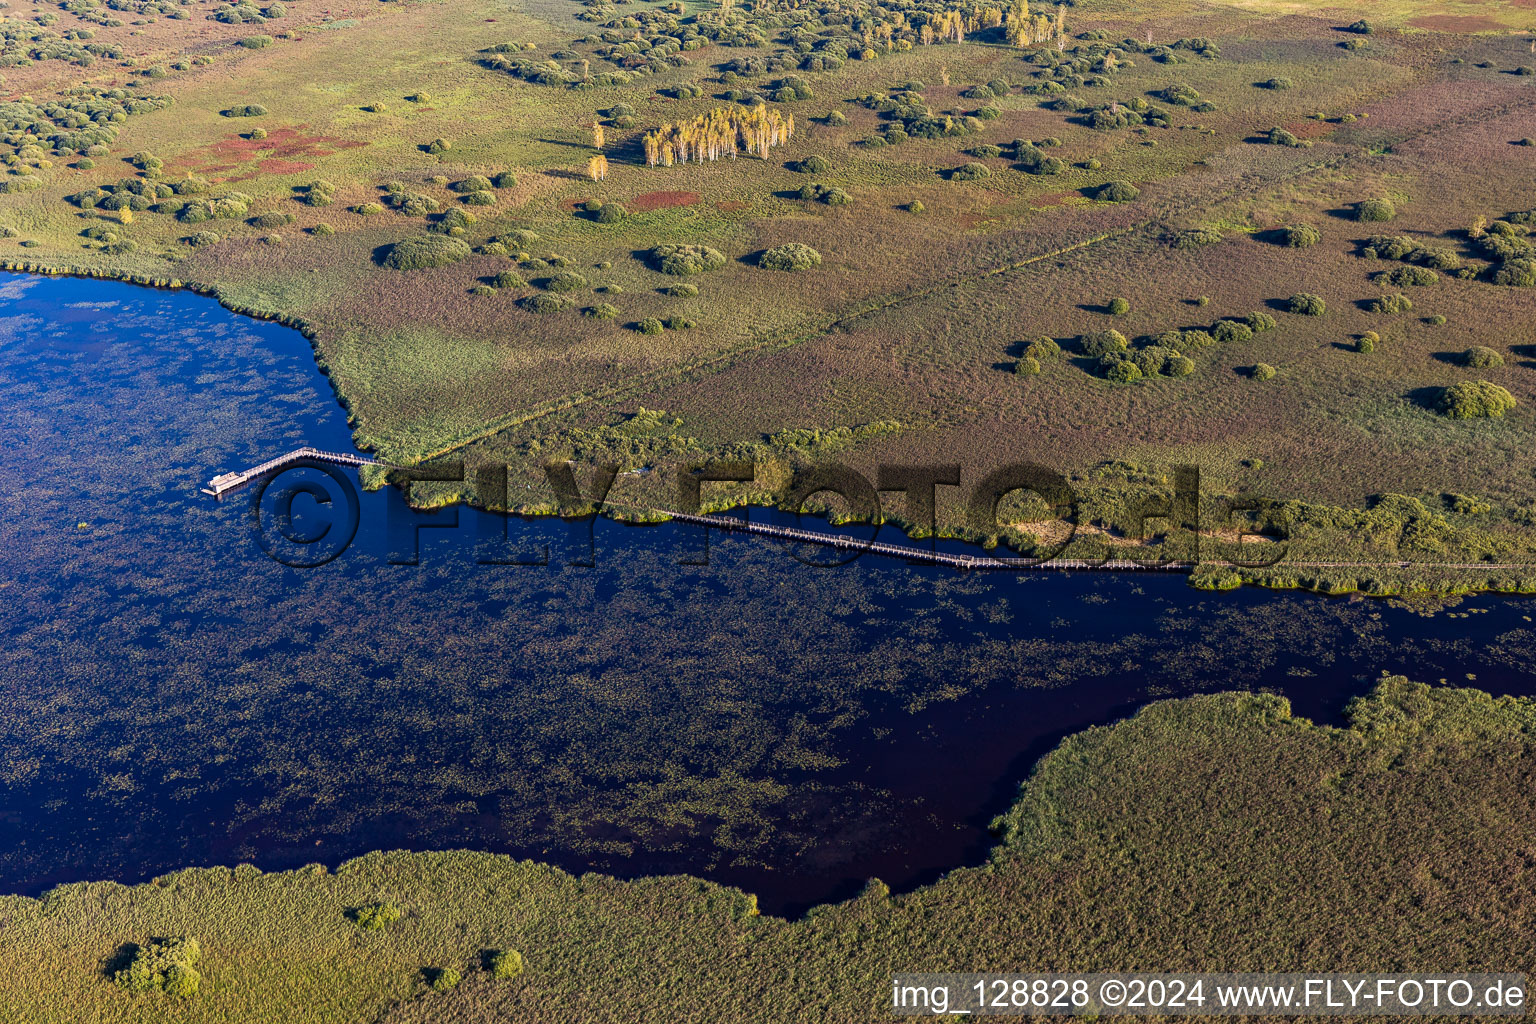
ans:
(171, 696)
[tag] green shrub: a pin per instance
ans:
(791, 256)
(1259, 322)
(271, 220)
(970, 172)
(482, 289)
(506, 179)
(1116, 192)
(1481, 357)
(203, 238)
(1436, 321)
(1262, 371)
(421, 251)
(1101, 343)
(1027, 367)
(1307, 304)
(1420, 277)
(814, 165)
(165, 965)
(1375, 210)
(1042, 349)
(1516, 272)
(1179, 366)
(1123, 372)
(1194, 238)
(681, 291)
(1275, 83)
(322, 230)
(473, 183)
(610, 213)
(437, 146)
(256, 42)
(1301, 236)
(1119, 306)
(486, 198)
(1475, 399)
(1231, 331)
(367, 209)
(650, 325)
(509, 279)
(1395, 303)
(85, 163)
(246, 110)
(444, 979)
(506, 963)
(680, 323)
(1151, 360)
(319, 193)
(601, 311)
(685, 260)
(543, 302)
(454, 222)
(1361, 27)
(1367, 342)
(564, 282)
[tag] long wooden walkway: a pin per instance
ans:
(925, 555)
(226, 482)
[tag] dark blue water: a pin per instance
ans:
(170, 695)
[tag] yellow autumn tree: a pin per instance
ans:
(723, 132)
(597, 167)
(597, 135)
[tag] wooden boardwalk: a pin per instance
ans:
(226, 482)
(924, 555)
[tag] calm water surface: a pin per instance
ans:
(169, 695)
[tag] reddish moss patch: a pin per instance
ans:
(662, 200)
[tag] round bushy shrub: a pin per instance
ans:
(271, 220)
(1151, 360)
(506, 963)
(1475, 399)
(814, 165)
(1123, 372)
(246, 110)
(790, 256)
(1117, 192)
(376, 917)
(1179, 366)
(543, 302)
(444, 979)
(486, 198)
(684, 260)
(1301, 236)
(1193, 339)
(1042, 348)
(1307, 304)
(1367, 342)
(681, 291)
(1262, 371)
(1516, 272)
(473, 183)
(602, 311)
(680, 323)
(1230, 331)
(566, 281)
(322, 230)
(1119, 306)
(421, 251)
(1027, 367)
(509, 279)
(1396, 303)
(1259, 322)
(367, 209)
(610, 213)
(650, 325)
(506, 179)
(1275, 83)
(1375, 210)
(1101, 343)
(970, 172)
(203, 238)
(1194, 238)
(1481, 357)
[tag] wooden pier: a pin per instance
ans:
(226, 482)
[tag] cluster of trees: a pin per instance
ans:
(1163, 354)
(1410, 250)
(79, 121)
(1022, 29)
(1505, 241)
(829, 194)
(720, 133)
(161, 965)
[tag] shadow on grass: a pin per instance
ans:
(1426, 398)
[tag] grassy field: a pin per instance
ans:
(1210, 833)
(931, 284)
